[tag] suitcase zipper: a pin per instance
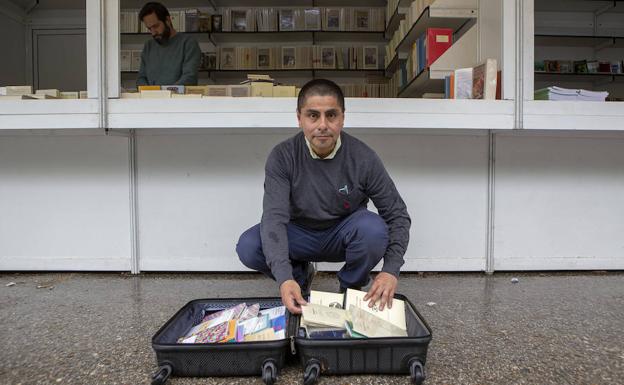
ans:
(292, 345)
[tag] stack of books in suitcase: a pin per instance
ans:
(240, 323)
(334, 315)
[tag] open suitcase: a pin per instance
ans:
(263, 358)
(396, 355)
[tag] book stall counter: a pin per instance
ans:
(49, 114)
(226, 112)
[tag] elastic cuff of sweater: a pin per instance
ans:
(391, 270)
(283, 273)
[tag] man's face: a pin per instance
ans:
(321, 119)
(160, 31)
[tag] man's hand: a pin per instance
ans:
(291, 296)
(383, 289)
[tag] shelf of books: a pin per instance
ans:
(579, 52)
(431, 30)
(295, 40)
(48, 114)
(276, 113)
(395, 12)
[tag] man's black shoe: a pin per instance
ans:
(310, 272)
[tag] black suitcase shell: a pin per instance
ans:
(264, 358)
(393, 355)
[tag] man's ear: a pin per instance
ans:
(299, 117)
(169, 22)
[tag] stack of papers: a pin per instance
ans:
(560, 93)
(240, 323)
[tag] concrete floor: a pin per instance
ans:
(560, 328)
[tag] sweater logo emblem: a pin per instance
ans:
(344, 190)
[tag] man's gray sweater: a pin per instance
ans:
(174, 63)
(319, 193)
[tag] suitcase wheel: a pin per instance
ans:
(269, 372)
(161, 375)
(417, 371)
(311, 373)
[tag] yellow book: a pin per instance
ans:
(70, 95)
(262, 89)
(201, 90)
(149, 88)
(284, 91)
(231, 335)
(83, 95)
(52, 92)
(18, 90)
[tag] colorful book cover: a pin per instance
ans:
(231, 332)
(279, 323)
(213, 334)
(250, 312)
(438, 41)
(228, 314)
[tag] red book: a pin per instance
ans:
(438, 41)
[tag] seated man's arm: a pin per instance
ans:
(382, 191)
(190, 66)
(275, 217)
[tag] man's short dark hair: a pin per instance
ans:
(320, 87)
(154, 7)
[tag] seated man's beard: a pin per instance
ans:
(163, 37)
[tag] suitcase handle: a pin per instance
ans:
(162, 375)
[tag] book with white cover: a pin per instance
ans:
(320, 315)
(394, 315)
(327, 299)
(371, 326)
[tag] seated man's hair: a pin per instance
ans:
(154, 7)
(320, 87)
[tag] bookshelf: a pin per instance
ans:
(436, 18)
(437, 15)
(367, 38)
(579, 31)
(397, 15)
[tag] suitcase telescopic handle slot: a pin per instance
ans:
(162, 375)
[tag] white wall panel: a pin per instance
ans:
(559, 201)
(64, 202)
(197, 193)
(443, 181)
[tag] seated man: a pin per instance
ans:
(316, 189)
(170, 58)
